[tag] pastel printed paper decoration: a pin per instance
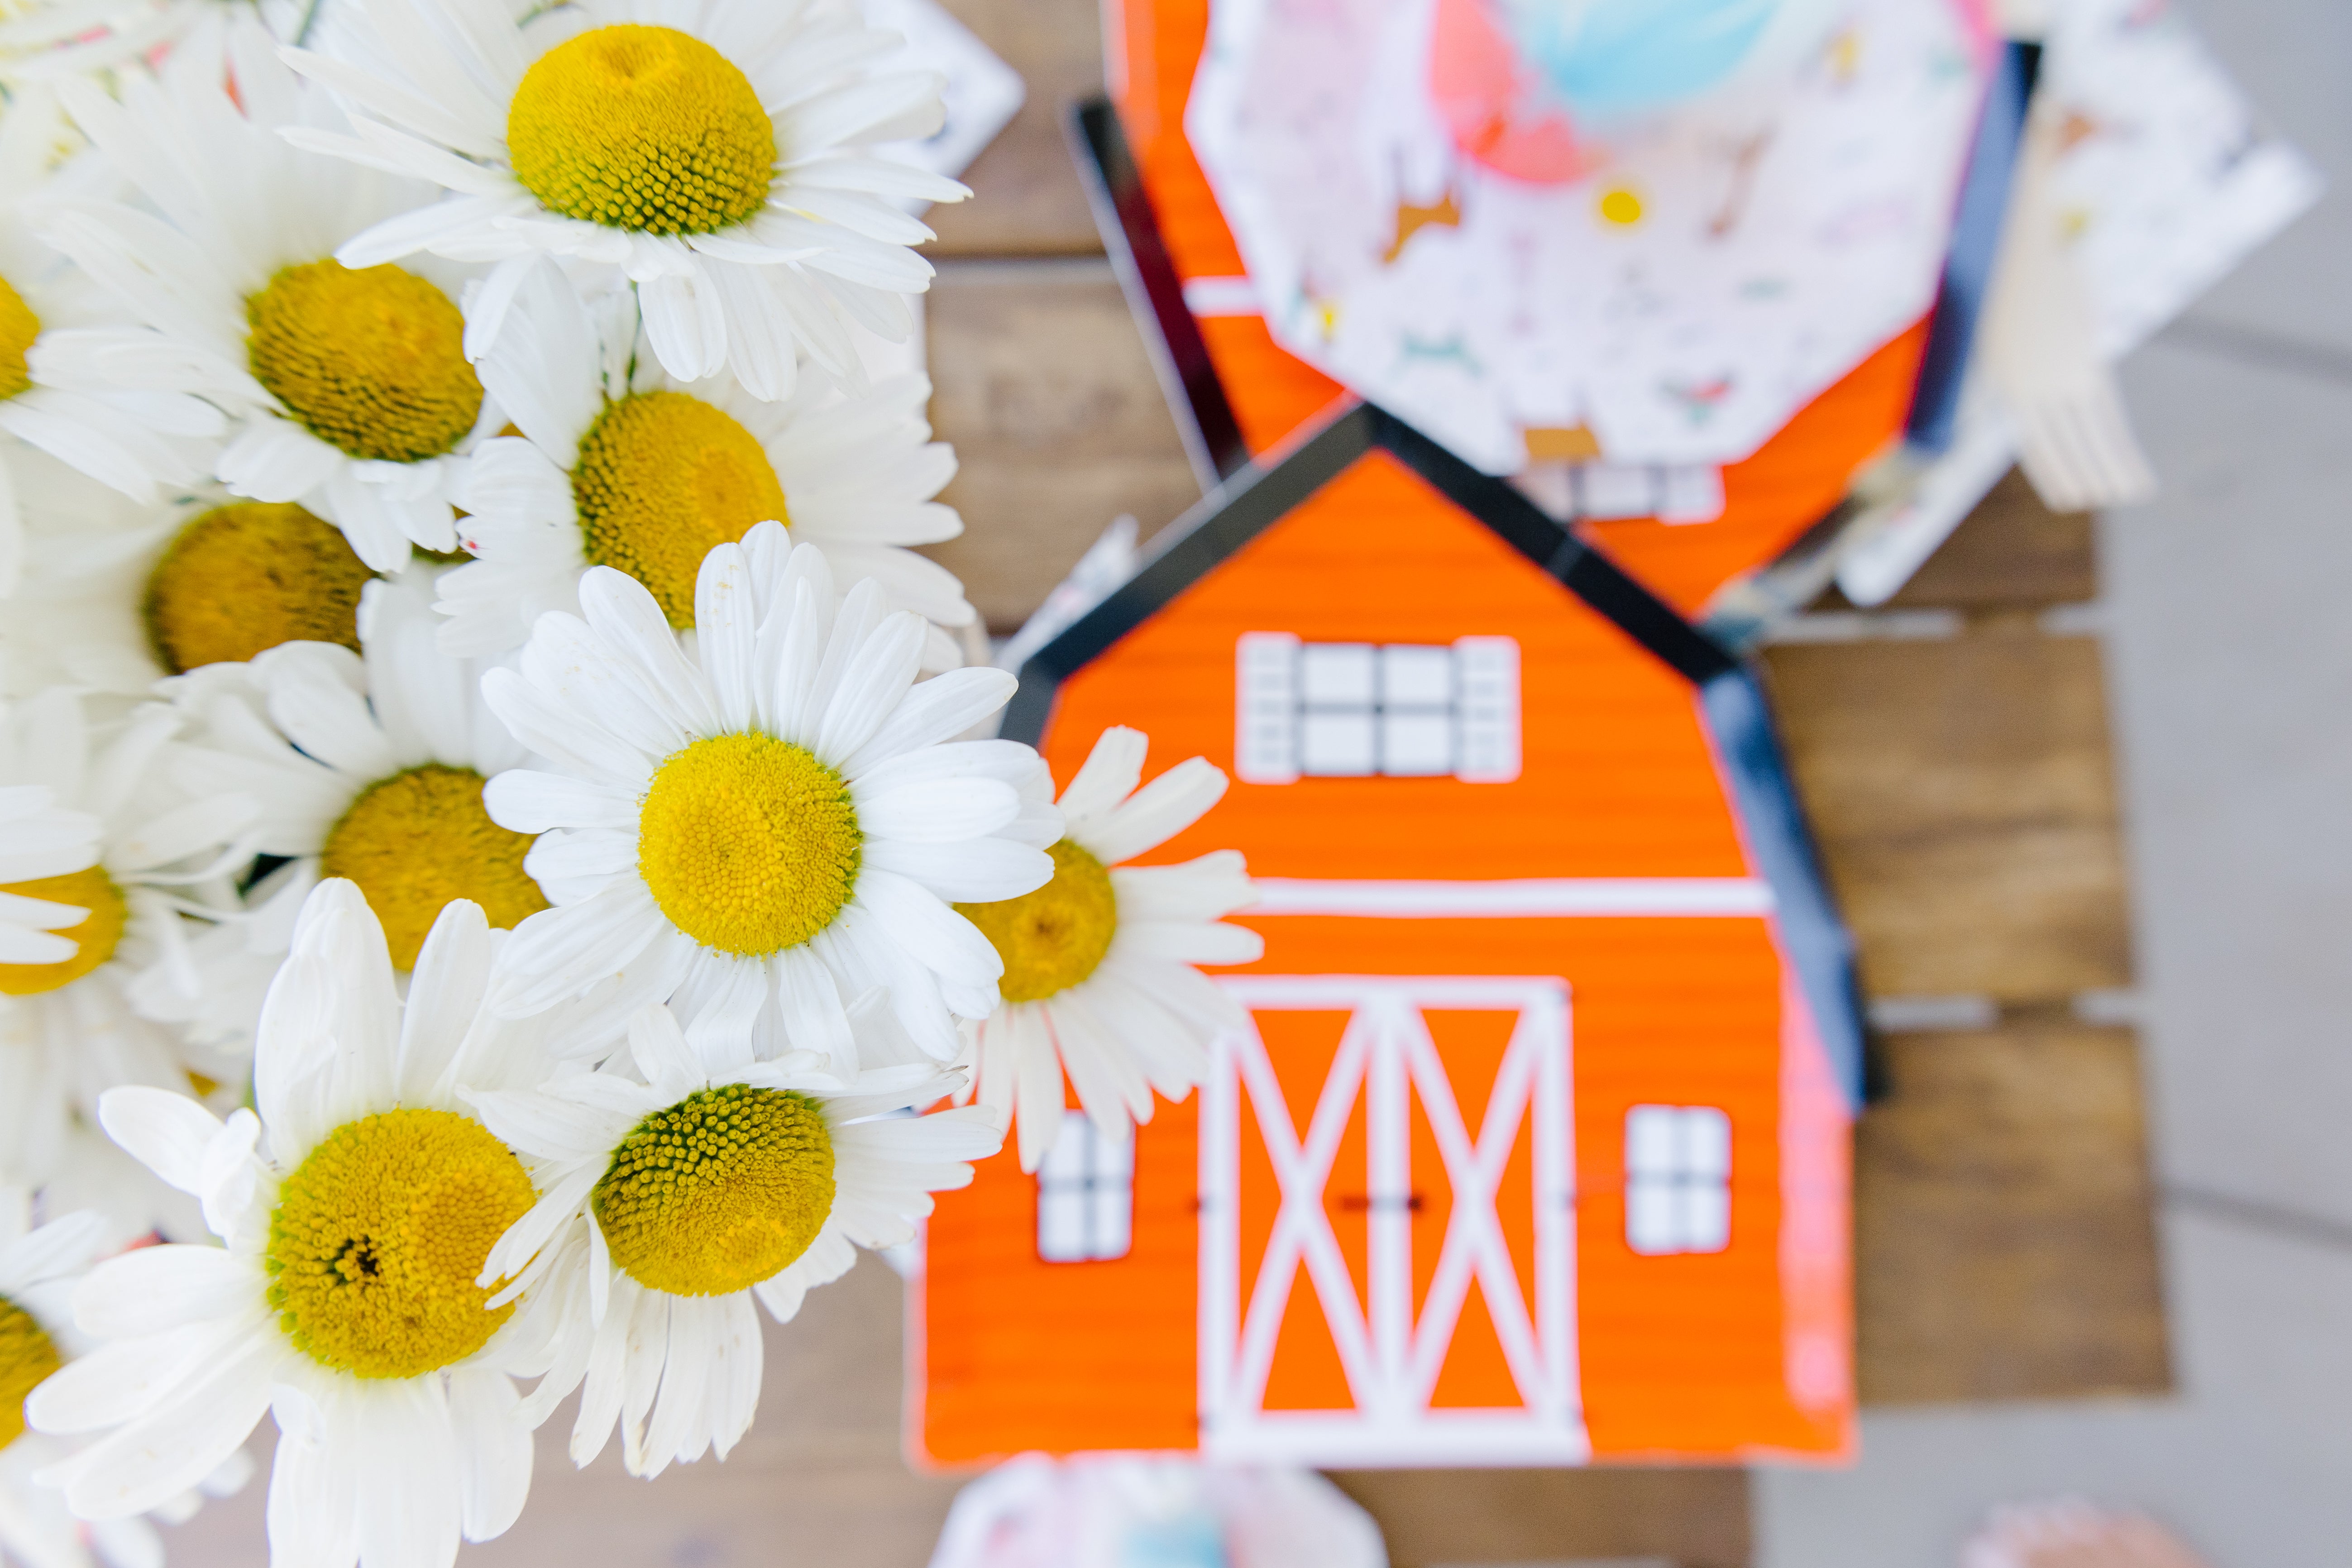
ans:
(1665, 279)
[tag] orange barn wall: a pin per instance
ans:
(1022, 1355)
(1680, 1355)
(1770, 497)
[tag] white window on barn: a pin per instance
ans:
(1677, 1179)
(1086, 1194)
(1309, 710)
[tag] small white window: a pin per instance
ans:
(1671, 493)
(1677, 1179)
(1086, 1194)
(1359, 709)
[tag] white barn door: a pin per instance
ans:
(1392, 1357)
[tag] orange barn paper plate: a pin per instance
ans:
(1755, 506)
(1536, 1150)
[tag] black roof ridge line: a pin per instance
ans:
(1265, 492)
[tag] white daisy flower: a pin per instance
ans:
(115, 595)
(93, 893)
(38, 1270)
(356, 1210)
(59, 340)
(769, 825)
(349, 388)
(622, 465)
(1099, 977)
(75, 618)
(710, 151)
(366, 766)
(674, 1191)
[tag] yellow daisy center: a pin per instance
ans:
(641, 128)
(420, 838)
(719, 1191)
(661, 480)
(370, 360)
(243, 578)
(1054, 938)
(18, 328)
(377, 1238)
(97, 932)
(26, 1357)
(748, 844)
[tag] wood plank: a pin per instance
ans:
(1962, 793)
(1026, 199)
(1696, 1518)
(2010, 551)
(2002, 1219)
(1041, 380)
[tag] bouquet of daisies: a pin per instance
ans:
(498, 884)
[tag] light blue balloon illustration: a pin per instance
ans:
(1189, 1540)
(1608, 60)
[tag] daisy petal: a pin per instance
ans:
(939, 811)
(948, 943)
(558, 954)
(975, 871)
(664, 1058)
(494, 1460)
(601, 1388)
(686, 323)
(164, 1131)
(36, 947)
(1038, 1082)
(445, 993)
(630, 623)
(312, 1513)
(171, 1448)
(1158, 812)
(523, 800)
(810, 1004)
(1204, 889)
(410, 1507)
(557, 1207)
(118, 1383)
(544, 725)
(1191, 942)
(939, 709)
(1110, 775)
(151, 1290)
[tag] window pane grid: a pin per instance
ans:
(1086, 1194)
(1385, 710)
(1677, 1179)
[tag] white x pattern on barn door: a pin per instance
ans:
(1391, 1360)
